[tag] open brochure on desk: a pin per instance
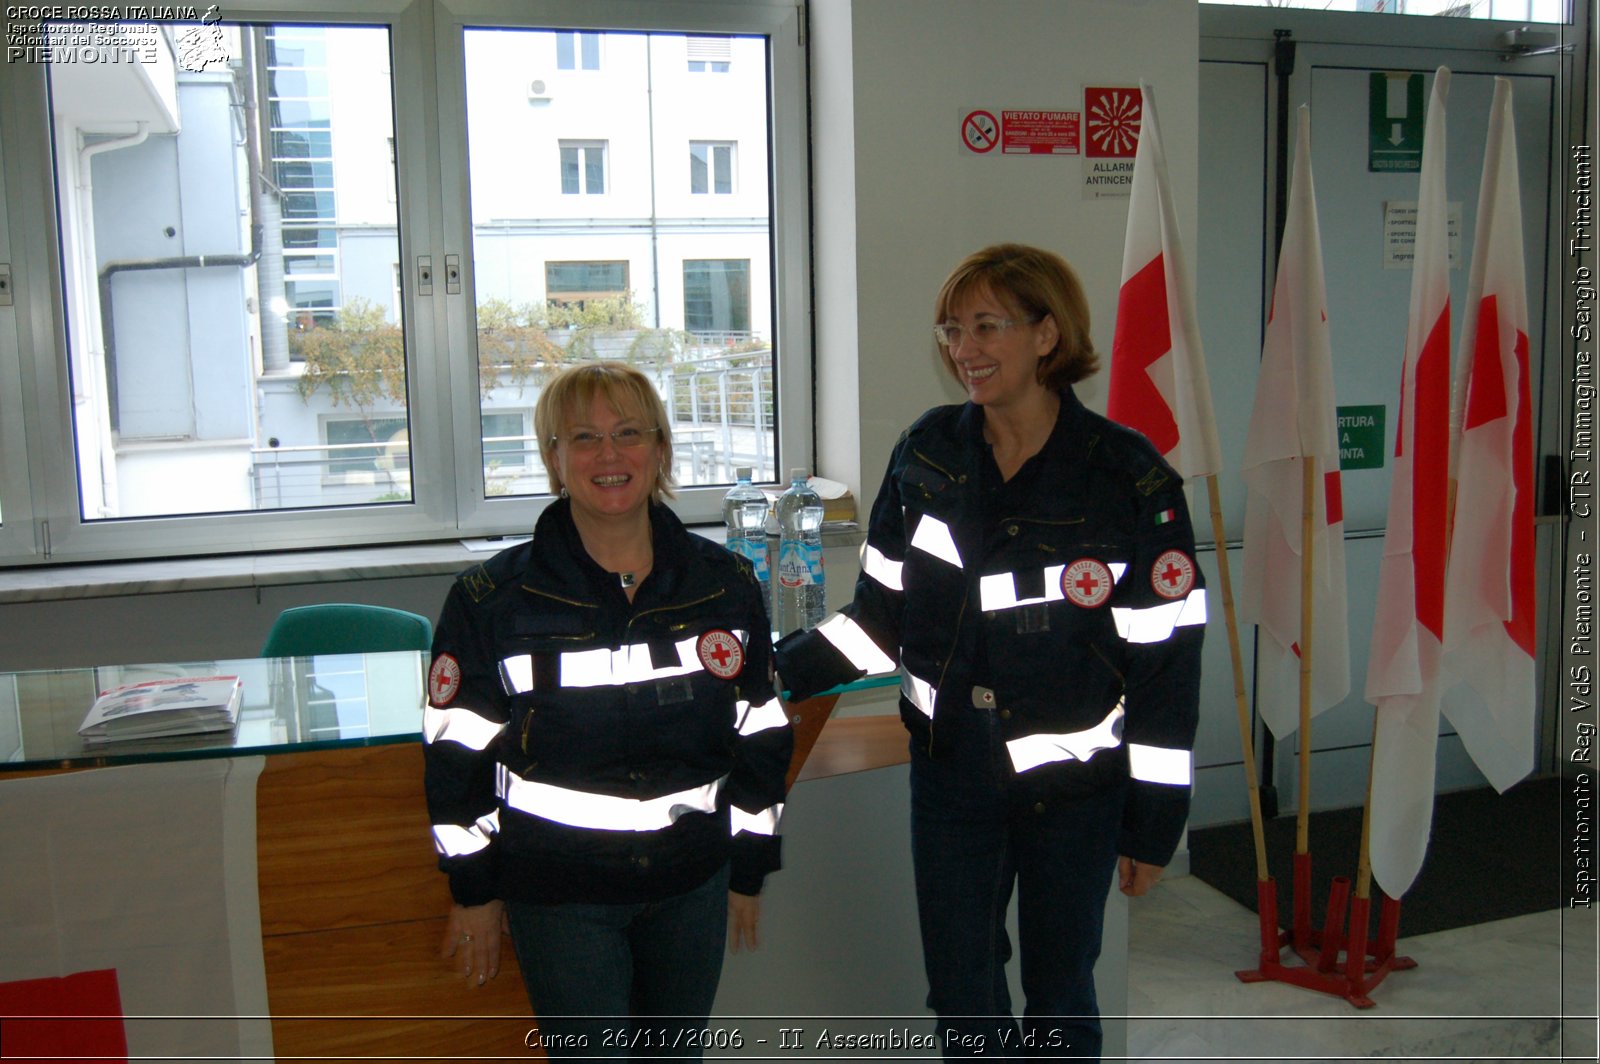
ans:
(189, 705)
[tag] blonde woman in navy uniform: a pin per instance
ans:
(605, 751)
(1029, 567)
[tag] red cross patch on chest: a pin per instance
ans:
(721, 653)
(1086, 582)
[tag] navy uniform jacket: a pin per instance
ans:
(583, 748)
(1081, 609)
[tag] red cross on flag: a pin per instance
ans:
(1407, 632)
(1488, 619)
(1158, 368)
(1294, 420)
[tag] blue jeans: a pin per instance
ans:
(975, 833)
(623, 980)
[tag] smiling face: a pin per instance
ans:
(610, 480)
(1003, 370)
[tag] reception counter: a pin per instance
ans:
(351, 906)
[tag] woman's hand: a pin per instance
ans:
(744, 919)
(473, 933)
(1136, 877)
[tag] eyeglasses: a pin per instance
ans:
(983, 332)
(622, 439)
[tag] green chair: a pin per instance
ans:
(345, 628)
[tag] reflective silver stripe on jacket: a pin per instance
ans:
(1159, 764)
(583, 809)
(453, 840)
(933, 536)
(880, 567)
(998, 591)
(852, 640)
(762, 823)
(1031, 751)
(602, 667)
(918, 691)
(1155, 624)
(754, 719)
(459, 725)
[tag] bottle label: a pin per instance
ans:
(756, 552)
(799, 564)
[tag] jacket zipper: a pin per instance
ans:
(677, 605)
(560, 598)
(944, 669)
(935, 465)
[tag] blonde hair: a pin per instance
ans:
(572, 392)
(1034, 283)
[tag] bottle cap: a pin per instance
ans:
(797, 474)
(741, 472)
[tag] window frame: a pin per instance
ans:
(38, 459)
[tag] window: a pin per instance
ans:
(578, 282)
(1518, 10)
(351, 459)
(716, 296)
(577, 51)
(710, 168)
(709, 55)
(583, 167)
(266, 398)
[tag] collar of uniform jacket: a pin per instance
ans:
(559, 564)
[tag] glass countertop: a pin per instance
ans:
(290, 705)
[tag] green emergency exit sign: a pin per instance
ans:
(1395, 118)
(1361, 437)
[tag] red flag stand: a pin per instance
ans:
(1321, 967)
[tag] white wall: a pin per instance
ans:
(899, 201)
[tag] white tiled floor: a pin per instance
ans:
(1493, 992)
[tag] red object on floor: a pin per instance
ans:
(1331, 961)
(74, 1017)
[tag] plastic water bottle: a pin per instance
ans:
(802, 596)
(744, 519)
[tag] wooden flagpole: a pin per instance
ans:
(1302, 832)
(1245, 740)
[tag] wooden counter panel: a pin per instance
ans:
(856, 744)
(343, 840)
(383, 991)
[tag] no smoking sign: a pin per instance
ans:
(980, 131)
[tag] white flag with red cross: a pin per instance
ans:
(1158, 368)
(1293, 422)
(1488, 619)
(1408, 629)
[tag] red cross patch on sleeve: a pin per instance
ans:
(1172, 575)
(444, 680)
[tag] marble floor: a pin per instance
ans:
(1517, 989)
